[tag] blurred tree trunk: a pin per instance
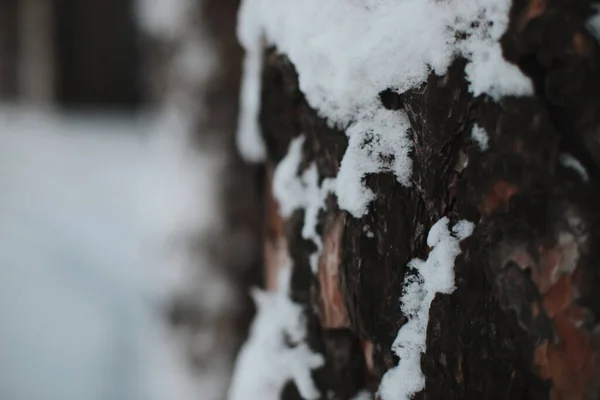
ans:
(36, 78)
(194, 71)
(8, 49)
(523, 321)
(96, 53)
(236, 247)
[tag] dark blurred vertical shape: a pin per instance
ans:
(8, 49)
(206, 92)
(240, 248)
(98, 57)
(36, 50)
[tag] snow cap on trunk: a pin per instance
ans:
(348, 51)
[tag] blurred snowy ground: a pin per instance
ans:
(95, 212)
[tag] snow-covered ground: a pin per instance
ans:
(94, 213)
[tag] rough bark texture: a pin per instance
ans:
(523, 322)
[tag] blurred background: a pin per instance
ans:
(129, 227)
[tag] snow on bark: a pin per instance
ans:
(568, 161)
(379, 145)
(276, 352)
(302, 192)
(426, 279)
(347, 51)
(480, 136)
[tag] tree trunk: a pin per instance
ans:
(523, 320)
(8, 50)
(36, 52)
(194, 74)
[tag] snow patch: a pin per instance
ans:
(568, 161)
(93, 210)
(294, 192)
(346, 52)
(375, 144)
(484, 23)
(249, 141)
(367, 44)
(480, 136)
(275, 352)
(163, 18)
(427, 278)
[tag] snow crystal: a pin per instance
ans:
(301, 192)
(480, 136)
(435, 275)
(266, 363)
(569, 161)
(347, 51)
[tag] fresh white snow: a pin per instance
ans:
(374, 145)
(426, 278)
(302, 191)
(275, 352)
(249, 140)
(480, 136)
(347, 51)
(94, 210)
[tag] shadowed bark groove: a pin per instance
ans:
(523, 321)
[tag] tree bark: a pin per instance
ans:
(523, 321)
